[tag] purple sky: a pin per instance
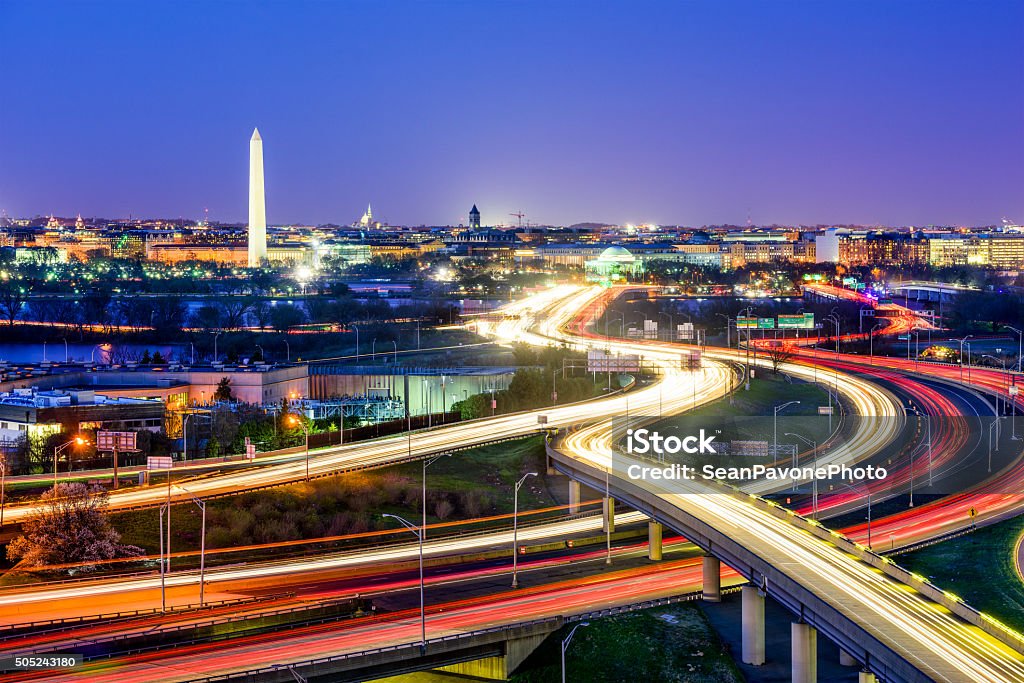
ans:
(677, 112)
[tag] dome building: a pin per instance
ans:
(614, 264)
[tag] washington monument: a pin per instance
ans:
(257, 202)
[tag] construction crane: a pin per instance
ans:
(519, 215)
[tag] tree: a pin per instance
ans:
(223, 392)
(71, 526)
(158, 358)
(779, 354)
(284, 316)
(12, 299)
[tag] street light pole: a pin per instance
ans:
(77, 441)
(426, 464)
(202, 545)
(1020, 344)
(423, 614)
(928, 423)
(515, 529)
(871, 344)
(962, 354)
(775, 430)
(565, 644)
(814, 481)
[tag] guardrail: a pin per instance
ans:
(549, 623)
(70, 622)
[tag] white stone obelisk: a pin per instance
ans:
(257, 202)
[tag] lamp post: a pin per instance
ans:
(775, 428)
(515, 529)
(1020, 344)
(288, 350)
(426, 464)
(294, 421)
(423, 614)
(215, 335)
(77, 441)
(928, 422)
(871, 344)
(263, 354)
(728, 340)
(962, 353)
(1006, 374)
(565, 644)
(814, 490)
(202, 545)
(356, 328)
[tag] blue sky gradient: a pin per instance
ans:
(671, 112)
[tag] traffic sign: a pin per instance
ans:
(159, 462)
(824, 410)
(973, 513)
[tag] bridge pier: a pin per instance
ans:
(866, 677)
(551, 471)
(498, 668)
(608, 512)
(752, 625)
(805, 653)
(846, 659)
(654, 532)
(712, 578)
(574, 497)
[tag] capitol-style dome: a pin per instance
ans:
(616, 255)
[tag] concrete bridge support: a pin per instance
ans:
(501, 667)
(805, 653)
(846, 659)
(753, 625)
(608, 512)
(574, 497)
(867, 677)
(654, 533)
(712, 579)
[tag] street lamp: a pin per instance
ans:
(814, 480)
(1020, 343)
(565, 644)
(928, 422)
(288, 350)
(1003, 361)
(215, 335)
(77, 441)
(728, 340)
(356, 328)
(515, 529)
(202, 545)
(426, 464)
(423, 614)
(775, 428)
(871, 344)
(970, 336)
(263, 354)
(296, 422)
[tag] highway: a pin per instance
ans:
(913, 614)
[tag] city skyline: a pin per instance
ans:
(674, 114)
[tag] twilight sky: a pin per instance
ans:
(671, 112)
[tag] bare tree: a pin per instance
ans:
(12, 299)
(71, 526)
(778, 355)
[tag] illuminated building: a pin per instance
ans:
(474, 218)
(614, 263)
(367, 219)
